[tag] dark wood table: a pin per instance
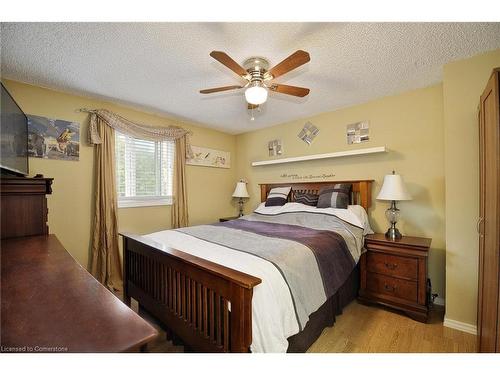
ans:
(49, 303)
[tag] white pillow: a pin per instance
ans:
(270, 210)
(360, 212)
(354, 214)
(278, 196)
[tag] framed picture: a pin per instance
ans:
(207, 157)
(50, 138)
(275, 147)
(358, 132)
(308, 133)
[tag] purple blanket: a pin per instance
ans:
(335, 262)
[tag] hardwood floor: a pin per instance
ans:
(370, 329)
(367, 329)
(160, 344)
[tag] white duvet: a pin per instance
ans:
(273, 317)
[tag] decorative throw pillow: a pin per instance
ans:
(336, 196)
(278, 196)
(306, 198)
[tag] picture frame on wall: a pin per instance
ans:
(50, 138)
(208, 157)
(358, 132)
(275, 147)
(308, 133)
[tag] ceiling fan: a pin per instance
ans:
(256, 72)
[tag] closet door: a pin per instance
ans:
(489, 224)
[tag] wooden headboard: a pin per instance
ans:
(361, 190)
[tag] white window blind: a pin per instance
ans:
(144, 171)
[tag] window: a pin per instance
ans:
(144, 171)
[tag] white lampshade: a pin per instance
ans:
(256, 94)
(393, 189)
(241, 190)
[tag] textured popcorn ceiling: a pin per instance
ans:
(159, 67)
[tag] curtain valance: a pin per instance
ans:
(141, 131)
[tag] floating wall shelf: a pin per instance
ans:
(362, 151)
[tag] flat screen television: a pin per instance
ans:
(13, 136)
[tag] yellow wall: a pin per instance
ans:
(209, 189)
(410, 125)
(431, 135)
(463, 83)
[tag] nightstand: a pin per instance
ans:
(394, 274)
(222, 219)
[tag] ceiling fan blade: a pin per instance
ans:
(217, 89)
(252, 106)
(293, 61)
(289, 90)
(224, 59)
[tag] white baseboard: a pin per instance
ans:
(461, 326)
(439, 301)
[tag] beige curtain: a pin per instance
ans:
(105, 261)
(179, 211)
(105, 264)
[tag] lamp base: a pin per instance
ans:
(393, 233)
(240, 202)
(392, 215)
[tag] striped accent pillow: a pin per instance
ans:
(336, 196)
(278, 196)
(306, 198)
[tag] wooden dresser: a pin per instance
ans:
(394, 274)
(49, 303)
(24, 206)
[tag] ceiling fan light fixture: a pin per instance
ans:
(256, 94)
(256, 72)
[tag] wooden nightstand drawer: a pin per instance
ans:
(392, 286)
(394, 274)
(392, 265)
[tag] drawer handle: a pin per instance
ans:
(391, 266)
(390, 288)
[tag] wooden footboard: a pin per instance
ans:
(208, 306)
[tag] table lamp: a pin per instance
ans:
(393, 189)
(241, 192)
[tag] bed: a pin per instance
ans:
(226, 293)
